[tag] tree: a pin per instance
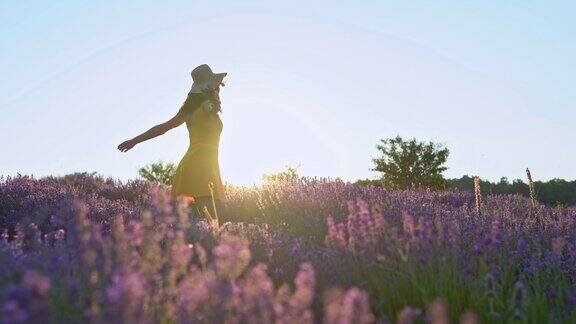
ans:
(158, 172)
(407, 164)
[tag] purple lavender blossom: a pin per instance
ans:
(128, 251)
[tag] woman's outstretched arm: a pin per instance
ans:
(155, 131)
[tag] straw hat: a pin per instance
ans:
(204, 78)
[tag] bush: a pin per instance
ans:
(158, 172)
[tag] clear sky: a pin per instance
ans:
(315, 83)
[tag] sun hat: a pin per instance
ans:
(204, 78)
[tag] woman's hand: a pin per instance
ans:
(126, 145)
(155, 131)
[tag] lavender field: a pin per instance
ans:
(81, 248)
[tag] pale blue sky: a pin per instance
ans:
(316, 83)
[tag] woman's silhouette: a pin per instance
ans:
(198, 174)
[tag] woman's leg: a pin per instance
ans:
(206, 201)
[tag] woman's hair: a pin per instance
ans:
(194, 101)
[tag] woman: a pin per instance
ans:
(198, 175)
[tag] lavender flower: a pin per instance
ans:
(86, 249)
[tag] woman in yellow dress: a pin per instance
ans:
(197, 176)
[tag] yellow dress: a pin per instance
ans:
(199, 167)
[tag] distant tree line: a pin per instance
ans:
(553, 192)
